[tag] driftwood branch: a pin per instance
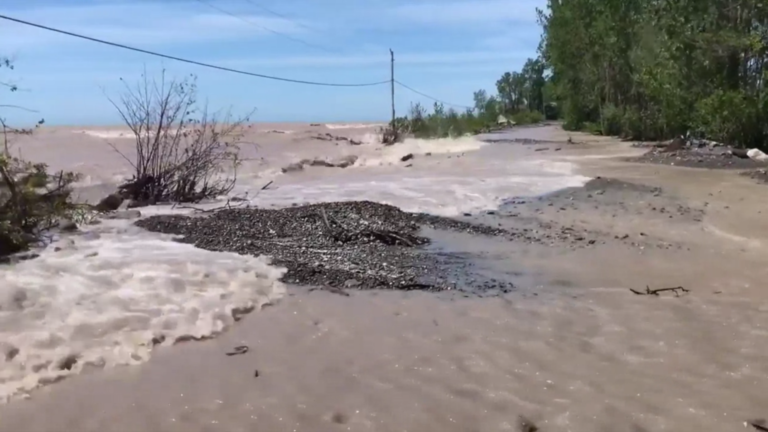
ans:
(655, 292)
(345, 235)
(227, 206)
(740, 153)
(325, 219)
(232, 202)
(332, 290)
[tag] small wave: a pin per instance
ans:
(101, 299)
(352, 125)
(93, 180)
(393, 154)
(108, 134)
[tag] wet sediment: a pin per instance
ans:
(367, 245)
(347, 245)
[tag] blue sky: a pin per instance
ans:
(446, 49)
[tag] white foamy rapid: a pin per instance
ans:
(102, 297)
(447, 177)
(393, 154)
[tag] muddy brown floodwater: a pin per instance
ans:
(570, 349)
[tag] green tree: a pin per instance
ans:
(534, 82)
(480, 98)
(652, 69)
(521, 96)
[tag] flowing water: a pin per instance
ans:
(105, 294)
(571, 350)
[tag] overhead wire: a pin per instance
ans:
(253, 23)
(188, 61)
(270, 11)
(430, 97)
(279, 15)
(223, 68)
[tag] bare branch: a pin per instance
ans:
(19, 108)
(182, 155)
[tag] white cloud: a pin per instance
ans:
(470, 12)
(137, 23)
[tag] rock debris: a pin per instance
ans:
(360, 245)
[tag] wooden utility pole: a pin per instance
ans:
(392, 82)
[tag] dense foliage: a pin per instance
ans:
(521, 97)
(31, 199)
(654, 69)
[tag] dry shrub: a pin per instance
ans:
(182, 154)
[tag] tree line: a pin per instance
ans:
(521, 97)
(655, 69)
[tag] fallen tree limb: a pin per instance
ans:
(740, 153)
(649, 291)
(345, 235)
(227, 206)
(242, 202)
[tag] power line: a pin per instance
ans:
(179, 59)
(430, 97)
(279, 15)
(245, 20)
(222, 68)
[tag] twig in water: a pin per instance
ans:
(228, 205)
(238, 350)
(649, 291)
(757, 424)
(263, 188)
(242, 201)
(331, 289)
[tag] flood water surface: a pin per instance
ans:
(570, 349)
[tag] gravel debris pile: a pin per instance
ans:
(363, 245)
(698, 157)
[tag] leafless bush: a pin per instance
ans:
(182, 154)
